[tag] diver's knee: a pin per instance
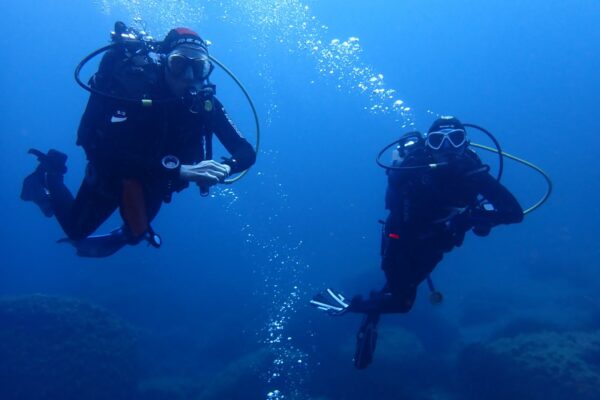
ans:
(405, 305)
(403, 301)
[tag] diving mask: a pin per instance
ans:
(179, 61)
(456, 137)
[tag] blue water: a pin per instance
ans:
(333, 82)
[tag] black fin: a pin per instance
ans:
(366, 341)
(34, 187)
(100, 246)
(34, 190)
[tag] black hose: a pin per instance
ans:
(530, 165)
(87, 59)
(497, 144)
(254, 114)
(105, 94)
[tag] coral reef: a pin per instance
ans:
(401, 368)
(524, 325)
(171, 388)
(57, 348)
(393, 344)
(236, 380)
(545, 365)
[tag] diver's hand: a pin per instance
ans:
(206, 173)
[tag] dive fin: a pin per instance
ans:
(34, 190)
(366, 341)
(34, 187)
(330, 302)
(101, 245)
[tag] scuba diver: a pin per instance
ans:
(147, 133)
(438, 190)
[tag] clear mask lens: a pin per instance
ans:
(456, 137)
(435, 140)
(178, 65)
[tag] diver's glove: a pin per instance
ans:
(331, 302)
(205, 173)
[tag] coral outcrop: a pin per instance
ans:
(546, 365)
(57, 348)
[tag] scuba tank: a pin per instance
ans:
(407, 145)
(130, 68)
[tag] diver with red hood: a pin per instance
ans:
(140, 152)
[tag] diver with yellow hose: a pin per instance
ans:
(147, 133)
(438, 190)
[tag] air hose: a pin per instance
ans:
(530, 165)
(254, 113)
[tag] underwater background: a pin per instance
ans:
(221, 310)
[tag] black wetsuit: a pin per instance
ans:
(125, 140)
(430, 212)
